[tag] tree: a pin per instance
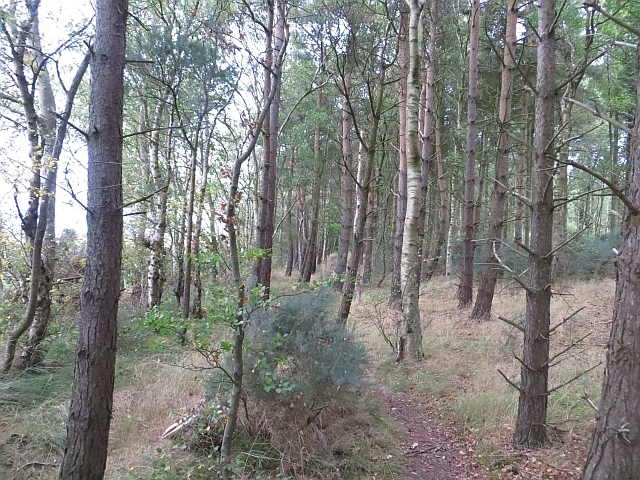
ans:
(46, 137)
(410, 342)
(530, 427)
(614, 450)
(429, 133)
(395, 299)
(374, 67)
(275, 33)
(465, 291)
(487, 284)
(90, 411)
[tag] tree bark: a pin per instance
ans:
(346, 187)
(428, 133)
(443, 209)
(615, 450)
(530, 427)
(90, 411)
(156, 272)
(465, 291)
(395, 299)
(490, 272)
(410, 341)
(266, 216)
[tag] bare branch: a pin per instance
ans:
(613, 187)
(562, 352)
(623, 24)
(565, 243)
(588, 400)
(509, 381)
(146, 197)
(565, 320)
(512, 323)
(601, 115)
(77, 129)
(573, 379)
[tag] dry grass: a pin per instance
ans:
(458, 381)
(459, 378)
(156, 395)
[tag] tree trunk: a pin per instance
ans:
(36, 276)
(530, 427)
(395, 299)
(443, 210)
(369, 151)
(266, 216)
(465, 291)
(185, 301)
(237, 373)
(311, 250)
(33, 353)
(156, 272)
(289, 220)
(490, 272)
(410, 341)
(428, 133)
(370, 233)
(521, 170)
(561, 193)
(346, 187)
(197, 272)
(615, 450)
(90, 411)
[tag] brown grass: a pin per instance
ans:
(156, 395)
(458, 382)
(459, 378)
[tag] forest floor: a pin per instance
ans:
(449, 416)
(454, 404)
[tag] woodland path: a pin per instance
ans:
(431, 450)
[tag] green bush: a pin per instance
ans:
(298, 351)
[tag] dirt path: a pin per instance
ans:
(431, 450)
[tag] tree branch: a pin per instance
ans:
(509, 381)
(601, 115)
(624, 25)
(573, 379)
(566, 242)
(512, 323)
(562, 352)
(614, 189)
(565, 320)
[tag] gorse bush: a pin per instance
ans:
(298, 352)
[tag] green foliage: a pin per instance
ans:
(299, 352)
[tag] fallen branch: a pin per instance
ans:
(38, 464)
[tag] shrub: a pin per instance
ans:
(299, 352)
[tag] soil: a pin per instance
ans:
(432, 451)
